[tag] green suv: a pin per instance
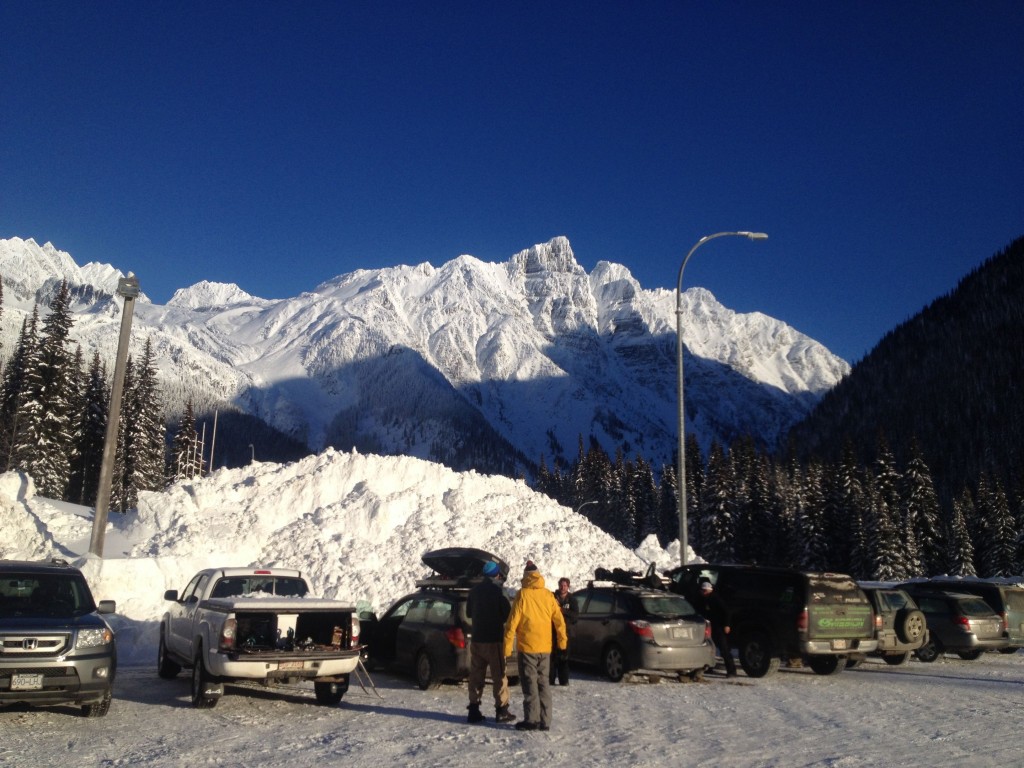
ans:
(55, 648)
(779, 613)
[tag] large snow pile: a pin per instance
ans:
(355, 525)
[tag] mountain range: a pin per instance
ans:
(479, 365)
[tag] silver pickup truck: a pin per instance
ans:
(260, 625)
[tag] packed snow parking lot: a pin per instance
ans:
(947, 713)
(357, 526)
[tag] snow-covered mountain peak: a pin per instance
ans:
(206, 294)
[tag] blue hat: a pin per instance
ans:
(490, 568)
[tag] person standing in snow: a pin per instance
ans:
(710, 606)
(488, 608)
(536, 626)
(560, 659)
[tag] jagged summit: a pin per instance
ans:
(473, 364)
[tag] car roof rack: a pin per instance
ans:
(649, 579)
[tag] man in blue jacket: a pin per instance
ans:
(488, 608)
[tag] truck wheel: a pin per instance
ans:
(205, 692)
(425, 674)
(166, 668)
(827, 665)
(613, 662)
(969, 655)
(910, 625)
(895, 659)
(328, 694)
(757, 655)
(98, 708)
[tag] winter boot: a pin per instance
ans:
(475, 715)
(504, 716)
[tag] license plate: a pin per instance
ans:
(290, 665)
(26, 682)
(680, 633)
(839, 645)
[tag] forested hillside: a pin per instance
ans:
(951, 379)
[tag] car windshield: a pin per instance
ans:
(669, 606)
(260, 586)
(44, 594)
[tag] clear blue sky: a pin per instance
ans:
(278, 144)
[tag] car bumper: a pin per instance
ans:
(676, 659)
(838, 647)
(243, 668)
(85, 681)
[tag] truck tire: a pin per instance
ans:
(426, 675)
(910, 625)
(827, 665)
(328, 694)
(98, 708)
(895, 659)
(205, 691)
(166, 668)
(757, 655)
(969, 655)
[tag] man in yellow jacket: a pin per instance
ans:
(534, 613)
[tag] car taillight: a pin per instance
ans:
(641, 628)
(456, 637)
(962, 623)
(878, 621)
(707, 631)
(355, 631)
(802, 621)
(1006, 622)
(228, 634)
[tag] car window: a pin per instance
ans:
(932, 605)
(191, 588)
(47, 594)
(600, 602)
(975, 606)
(401, 609)
(440, 612)
(667, 605)
(418, 610)
(1014, 599)
(894, 601)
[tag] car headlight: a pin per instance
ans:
(91, 638)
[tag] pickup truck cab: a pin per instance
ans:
(259, 625)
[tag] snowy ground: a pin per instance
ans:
(357, 526)
(951, 712)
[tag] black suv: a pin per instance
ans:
(1004, 595)
(54, 646)
(624, 629)
(900, 626)
(777, 613)
(427, 632)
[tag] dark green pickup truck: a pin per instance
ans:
(780, 613)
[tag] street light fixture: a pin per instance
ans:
(681, 472)
(585, 504)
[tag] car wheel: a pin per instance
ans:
(99, 708)
(757, 655)
(425, 672)
(166, 668)
(328, 694)
(1009, 649)
(854, 661)
(928, 652)
(895, 659)
(827, 665)
(204, 691)
(613, 662)
(969, 655)
(910, 625)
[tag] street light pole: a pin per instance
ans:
(681, 472)
(128, 289)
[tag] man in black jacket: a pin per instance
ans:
(560, 659)
(710, 606)
(488, 608)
